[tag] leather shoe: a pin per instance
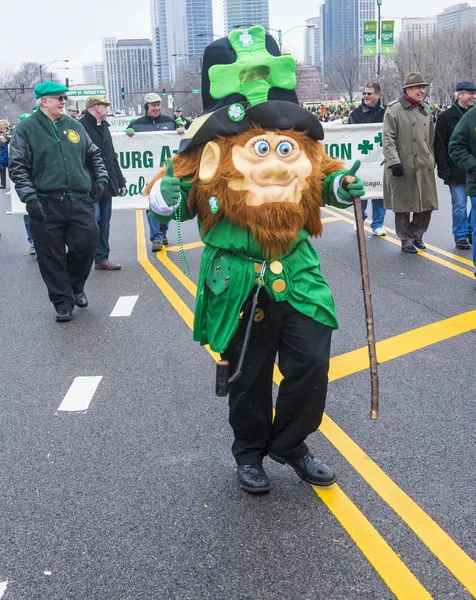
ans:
(309, 469)
(463, 244)
(156, 246)
(253, 479)
(419, 244)
(63, 315)
(107, 265)
(81, 300)
(410, 249)
(165, 241)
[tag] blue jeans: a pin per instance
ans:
(459, 201)
(103, 211)
(26, 220)
(378, 213)
(157, 230)
(473, 225)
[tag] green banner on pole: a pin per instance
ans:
(370, 38)
(387, 38)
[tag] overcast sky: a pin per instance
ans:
(38, 32)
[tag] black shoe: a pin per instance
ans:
(409, 249)
(253, 479)
(309, 469)
(463, 244)
(81, 300)
(63, 315)
(470, 238)
(419, 244)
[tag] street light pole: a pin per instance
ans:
(50, 63)
(379, 43)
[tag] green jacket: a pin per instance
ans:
(49, 159)
(231, 262)
(462, 148)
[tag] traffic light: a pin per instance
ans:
(123, 94)
(164, 93)
(66, 82)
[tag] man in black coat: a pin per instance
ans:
(94, 121)
(452, 175)
(371, 111)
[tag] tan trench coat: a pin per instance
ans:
(408, 138)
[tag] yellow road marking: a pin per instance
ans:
(397, 242)
(397, 576)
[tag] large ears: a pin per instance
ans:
(209, 162)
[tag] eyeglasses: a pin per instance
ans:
(367, 93)
(59, 98)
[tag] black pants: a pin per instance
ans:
(303, 348)
(3, 177)
(71, 224)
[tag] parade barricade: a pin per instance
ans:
(141, 156)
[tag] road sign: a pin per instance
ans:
(171, 101)
(79, 93)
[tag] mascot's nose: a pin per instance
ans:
(274, 171)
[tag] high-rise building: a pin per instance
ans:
(458, 16)
(241, 14)
(342, 30)
(180, 31)
(313, 43)
(93, 72)
(128, 67)
(417, 29)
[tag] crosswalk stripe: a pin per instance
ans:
(80, 394)
(3, 587)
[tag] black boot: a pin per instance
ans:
(309, 469)
(253, 479)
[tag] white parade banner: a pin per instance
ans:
(141, 157)
(82, 91)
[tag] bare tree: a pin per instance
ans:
(345, 75)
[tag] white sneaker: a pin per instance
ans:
(380, 231)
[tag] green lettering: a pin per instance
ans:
(164, 155)
(346, 151)
(334, 151)
(141, 184)
(136, 160)
(148, 160)
(133, 190)
(124, 160)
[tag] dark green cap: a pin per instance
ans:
(49, 88)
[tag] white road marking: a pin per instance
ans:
(6, 194)
(124, 306)
(3, 587)
(80, 394)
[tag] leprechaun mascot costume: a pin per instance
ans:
(252, 169)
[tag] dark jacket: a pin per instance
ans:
(462, 148)
(445, 125)
(367, 114)
(48, 159)
(101, 137)
(160, 123)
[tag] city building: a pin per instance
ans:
(458, 16)
(128, 66)
(180, 31)
(245, 14)
(417, 29)
(93, 72)
(342, 24)
(313, 43)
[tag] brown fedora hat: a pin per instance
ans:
(414, 79)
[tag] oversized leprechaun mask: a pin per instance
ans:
(255, 151)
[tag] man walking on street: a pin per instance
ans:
(154, 120)
(453, 176)
(371, 111)
(409, 184)
(96, 126)
(48, 157)
(462, 150)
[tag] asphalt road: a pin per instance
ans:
(135, 497)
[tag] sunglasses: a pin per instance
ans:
(59, 98)
(367, 93)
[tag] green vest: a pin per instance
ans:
(58, 155)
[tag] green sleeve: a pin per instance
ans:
(328, 196)
(460, 150)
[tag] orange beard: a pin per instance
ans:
(274, 225)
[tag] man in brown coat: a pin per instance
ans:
(409, 173)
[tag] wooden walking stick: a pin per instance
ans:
(369, 313)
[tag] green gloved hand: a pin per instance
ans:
(170, 185)
(352, 190)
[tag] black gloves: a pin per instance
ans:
(35, 210)
(397, 170)
(99, 191)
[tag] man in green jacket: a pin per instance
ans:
(462, 151)
(48, 157)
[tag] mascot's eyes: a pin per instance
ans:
(284, 149)
(261, 148)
